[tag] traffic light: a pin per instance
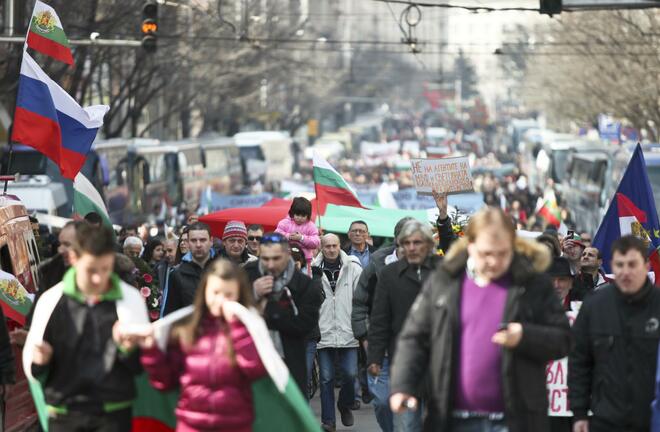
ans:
(550, 7)
(149, 25)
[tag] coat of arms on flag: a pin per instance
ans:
(631, 211)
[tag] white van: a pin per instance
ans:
(265, 154)
(42, 195)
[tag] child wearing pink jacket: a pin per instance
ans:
(299, 229)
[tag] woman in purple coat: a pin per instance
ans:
(211, 356)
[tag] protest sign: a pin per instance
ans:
(556, 379)
(448, 175)
(214, 202)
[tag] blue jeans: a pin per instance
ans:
(311, 353)
(380, 387)
(410, 421)
(478, 425)
(347, 361)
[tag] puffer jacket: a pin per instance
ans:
(310, 240)
(335, 319)
(428, 349)
(216, 395)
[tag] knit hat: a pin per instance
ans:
(235, 229)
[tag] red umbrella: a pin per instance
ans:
(269, 215)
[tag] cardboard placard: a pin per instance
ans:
(448, 175)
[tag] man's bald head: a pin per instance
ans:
(330, 247)
(330, 237)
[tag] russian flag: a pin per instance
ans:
(48, 119)
(632, 211)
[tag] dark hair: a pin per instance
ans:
(399, 225)
(255, 227)
(301, 207)
(94, 218)
(630, 242)
(148, 253)
(124, 268)
(199, 226)
(552, 242)
(298, 257)
(190, 330)
(94, 240)
(361, 222)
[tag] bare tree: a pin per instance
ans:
(600, 62)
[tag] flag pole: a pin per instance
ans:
(318, 207)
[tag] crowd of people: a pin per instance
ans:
(438, 330)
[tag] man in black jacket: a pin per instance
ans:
(291, 302)
(611, 371)
(480, 334)
(398, 286)
(364, 292)
(185, 277)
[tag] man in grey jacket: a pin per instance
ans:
(340, 276)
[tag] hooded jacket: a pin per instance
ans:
(335, 318)
(310, 240)
(428, 343)
(216, 393)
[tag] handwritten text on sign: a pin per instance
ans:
(556, 379)
(448, 175)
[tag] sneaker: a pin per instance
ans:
(328, 427)
(346, 416)
(356, 405)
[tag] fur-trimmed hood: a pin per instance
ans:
(529, 257)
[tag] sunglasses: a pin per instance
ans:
(274, 238)
(254, 238)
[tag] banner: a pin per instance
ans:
(448, 175)
(556, 379)
(218, 201)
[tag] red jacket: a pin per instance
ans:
(215, 395)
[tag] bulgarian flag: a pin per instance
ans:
(331, 188)
(550, 212)
(131, 313)
(46, 34)
(87, 199)
(279, 406)
(14, 298)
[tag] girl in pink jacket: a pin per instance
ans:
(211, 356)
(299, 229)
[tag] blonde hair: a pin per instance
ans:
(489, 217)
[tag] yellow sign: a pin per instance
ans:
(313, 128)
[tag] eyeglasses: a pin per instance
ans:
(254, 238)
(273, 238)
